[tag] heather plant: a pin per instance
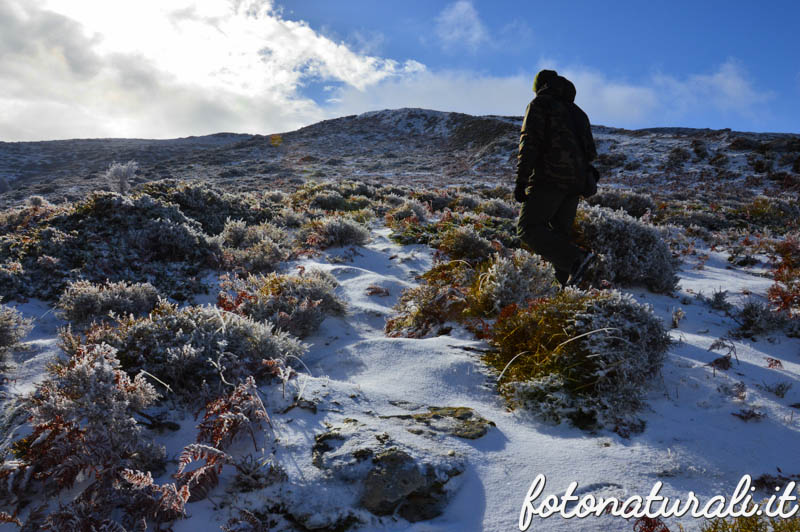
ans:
(186, 346)
(756, 318)
(209, 206)
(466, 202)
(464, 242)
(253, 248)
(13, 328)
(633, 203)
(423, 310)
(328, 200)
(119, 176)
(83, 301)
(437, 200)
(288, 217)
(294, 303)
(512, 279)
(631, 252)
(112, 237)
(411, 210)
(497, 208)
(587, 357)
(330, 231)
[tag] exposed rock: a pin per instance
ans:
(455, 421)
(391, 475)
(398, 483)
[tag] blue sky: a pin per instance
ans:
(754, 48)
(169, 68)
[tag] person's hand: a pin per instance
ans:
(519, 192)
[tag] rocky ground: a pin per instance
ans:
(405, 146)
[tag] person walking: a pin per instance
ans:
(554, 168)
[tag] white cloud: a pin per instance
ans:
(656, 101)
(168, 68)
(459, 26)
(464, 92)
(728, 90)
(158, 68)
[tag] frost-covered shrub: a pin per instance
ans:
(82, 419)
(498, 208)
(294, 303)
(209, 206)
(83, 301)
(757, 318)
(631, 251)
(276, 196)
(238, 234)
(328, 200)
(393, 199)
(186, 346)
(332, 231)
(13, 327)
(409, 209)
(464, 242)
(633, 203)
(288, 217)
(423, 310)
(119, 176)
(467, 201)
(584, 356)
(513, 279)
(437, 199)
(38, 202)
(253, 248)
(112, 237)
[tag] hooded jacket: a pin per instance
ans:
(556, 144)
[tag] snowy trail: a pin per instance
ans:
(691, 441)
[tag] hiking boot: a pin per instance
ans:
(579, 272)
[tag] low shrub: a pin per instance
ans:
(186, 346)
(209, 206)
(498, 208)
(13, 327)
(253, 248)
(756, 318)
(294, 303)
(332, 231)
(633, 203)
(583, 356)
(83, 301)
(466, 202)
(785, 293)
(514, 279)
(409, 209)
(119, 176)
(423, 310)
(107, 237)
(631, 252)
(464, 242)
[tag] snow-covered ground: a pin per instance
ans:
(691, 441)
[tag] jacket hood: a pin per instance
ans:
(545, 80)
(563, 89)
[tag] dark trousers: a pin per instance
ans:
(545, 224)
